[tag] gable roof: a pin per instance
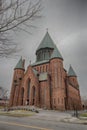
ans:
(56, 54)
(47, 42)
(35, 72)
(19, 64)
(43, 76)
(71, 72)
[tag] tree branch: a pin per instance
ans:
(16, 15)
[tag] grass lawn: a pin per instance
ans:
(83, 114)
(1, 107)
(17, 113)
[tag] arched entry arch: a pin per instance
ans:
(22, 95)
(33, 95)
(28, 90)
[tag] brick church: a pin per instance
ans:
(45, 83)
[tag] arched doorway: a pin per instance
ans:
(22, 95)
(33, 95)
(28, 91)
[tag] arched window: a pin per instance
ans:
(44, 56)
(37, 68)
(46, 68)
(43, 68)
(34, 92)
(40, 68)
(58, 100)
(48, 54)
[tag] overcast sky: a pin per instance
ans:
(66, 21)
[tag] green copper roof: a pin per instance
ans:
(47, 42)
(71, 72)
(19, 64)
(40, 62)
(56, 54)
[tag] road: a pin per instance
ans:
(29, 123)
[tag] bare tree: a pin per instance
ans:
(16, 15)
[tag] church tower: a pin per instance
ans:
(74, 99)
(73, 77)
(49, 62)
(56, 71)
(45, 48)
(16, 83)
(43, 55)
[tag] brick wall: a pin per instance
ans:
(57, 84)
(56, 92)
(74, 100)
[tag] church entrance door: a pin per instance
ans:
(33, 94)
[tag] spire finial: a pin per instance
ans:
(30, 62)
(47, 29)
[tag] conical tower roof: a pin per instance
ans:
(19, 64)
(47, 42)
(56, 54)
(71, 72)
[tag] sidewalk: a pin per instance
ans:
(58, 116)
(75, 120)
(66, 117)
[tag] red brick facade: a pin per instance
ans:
(45, 84)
